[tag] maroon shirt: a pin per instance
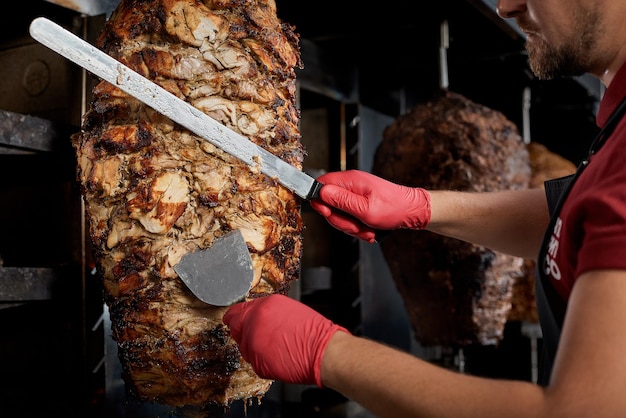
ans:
(590, 233)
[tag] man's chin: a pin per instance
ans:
(541, 64)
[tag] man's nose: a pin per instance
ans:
(510, 8)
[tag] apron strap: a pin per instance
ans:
(550, 306)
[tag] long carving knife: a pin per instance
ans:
(107, 68)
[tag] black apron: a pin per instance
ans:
(550, 305)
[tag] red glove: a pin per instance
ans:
(281, 338)
(357, 203)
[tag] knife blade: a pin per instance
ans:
(107, 68)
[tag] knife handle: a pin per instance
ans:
(314, 192)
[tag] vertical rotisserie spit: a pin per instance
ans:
(154, 191)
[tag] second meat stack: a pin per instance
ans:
(455, 293)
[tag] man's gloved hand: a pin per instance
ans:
(357, 203)
(281, 338)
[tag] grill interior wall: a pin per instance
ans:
(48, 353)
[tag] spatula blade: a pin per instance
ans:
(221, 274)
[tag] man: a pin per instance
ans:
(581, 264)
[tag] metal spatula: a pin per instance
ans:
(221, 274)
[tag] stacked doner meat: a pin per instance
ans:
(455, 293)
(154, 191)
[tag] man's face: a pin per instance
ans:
(561, 36)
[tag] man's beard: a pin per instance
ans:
(571, 58)
(548, 62)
